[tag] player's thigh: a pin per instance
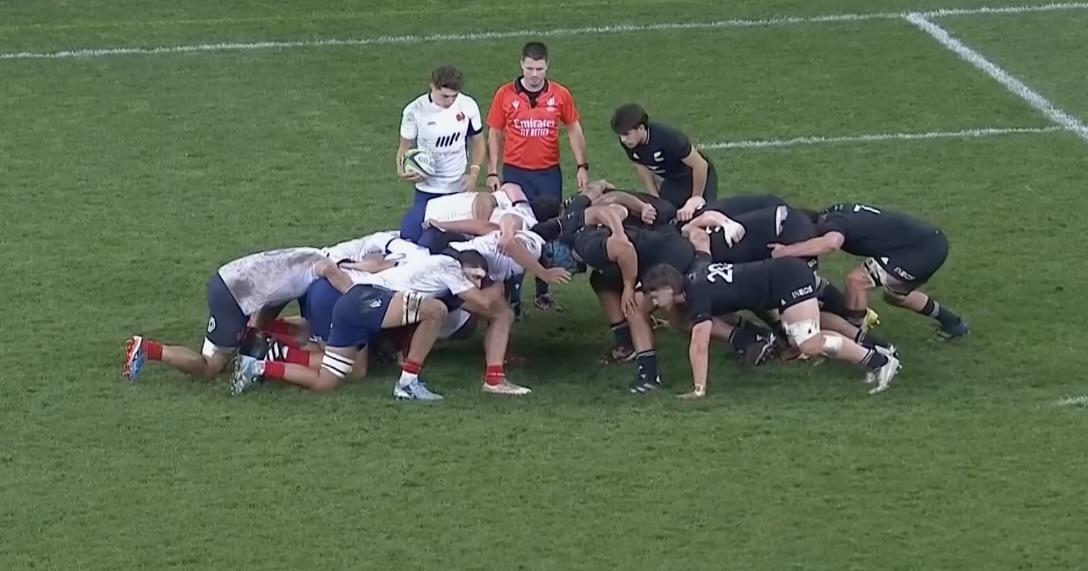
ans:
(226, 322)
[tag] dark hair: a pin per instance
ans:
(628, 117)
(473, 259)
(534, 50)
(662, 276)
(447, 77)
(545, 207)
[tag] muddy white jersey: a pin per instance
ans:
(500, 266)
(270, 278)
(431, 276)
(444, 134)
(521, 210)
(359, 248)
(458, 206)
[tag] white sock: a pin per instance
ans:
(407, 378)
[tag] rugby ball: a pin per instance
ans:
(418, 161)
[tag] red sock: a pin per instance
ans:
(297, 356)
(153, 350)
(412, 367)
(274, 370)
(280, 327)
(494, 375)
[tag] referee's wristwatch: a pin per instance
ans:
(584, 166)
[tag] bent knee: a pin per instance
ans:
(857, 278)
(433, 310)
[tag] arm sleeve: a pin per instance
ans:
(681, 145)
(475, 123)
(698, 299)
(569, 113)
(496, 116)
(408, 122)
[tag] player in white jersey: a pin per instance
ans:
(237, 292)
(445, 123)
(387, 243)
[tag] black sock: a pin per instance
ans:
(744, 334)
(542, 288)
(621, 332)
(855, 316)
(942, 314)
(774, 324)
(874, 360)
(646, 364)
(868, 340)
(833, 299)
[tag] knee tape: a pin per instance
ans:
(877, 275)
(832, 345)
(413, 308)
(338, 365)
(211, 350)
(802, 331)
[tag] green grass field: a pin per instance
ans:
(127, 179)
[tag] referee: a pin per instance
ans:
(523, 130)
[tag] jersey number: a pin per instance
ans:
(860, 207)
(723, 271)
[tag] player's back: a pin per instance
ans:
(871, 231)
(271, 277)
(732, 287)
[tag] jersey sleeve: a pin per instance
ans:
(408, 122)
(569, 113)
(697, 295)
(833, 222)
(496, 116)
(475, 122)
(449, 274)
(680, 145)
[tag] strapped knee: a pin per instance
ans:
(339, 365)
(801, 331)
(832, 345)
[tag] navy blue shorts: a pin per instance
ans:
(547, 182)
(226, 322)
(316, 306)
(357, 316)
(411, 225)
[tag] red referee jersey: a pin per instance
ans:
(531, 127)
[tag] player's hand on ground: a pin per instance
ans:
(556, 276)
(649, 213)
(492, 183)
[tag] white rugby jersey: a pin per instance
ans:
(269, 278)
(521, 210)
(359, 248)
(500, 266)
(458, 206)
(444, 134)
(432, 276)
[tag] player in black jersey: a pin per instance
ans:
(789, 286)
(688, 179)
(762, 227)
(902, 253)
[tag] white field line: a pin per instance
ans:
(1015, 86)
(1078, 400)
(880, 137)
(497, 34)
